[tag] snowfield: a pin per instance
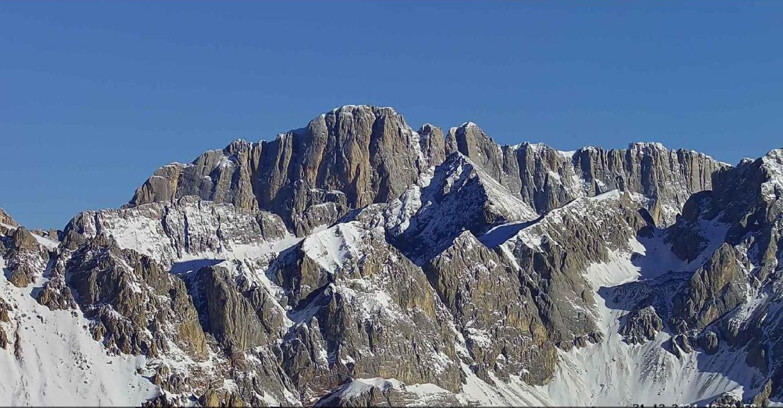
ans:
(59, 362)
(613, 372)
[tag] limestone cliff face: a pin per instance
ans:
(137, 305)
(736, 229)
(178, 282)
(187, 227)
(546, 178)
(393, 324)
(423, 222)
(728, 292)
(347, 158)
(358, 155)
(495, 309)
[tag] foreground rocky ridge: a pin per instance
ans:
(359, 262)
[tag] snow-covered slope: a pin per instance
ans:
(617, 373)
(613, 372)
(188, 229)
(53, 360)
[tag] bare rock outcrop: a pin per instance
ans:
(391, 322)
(25, 258)
(136, 304)
(7, 220)
(358, 155)
(546, 178)
(347, 158)
(641, 325)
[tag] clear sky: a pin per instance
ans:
(95, 95)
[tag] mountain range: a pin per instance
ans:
(359, 262)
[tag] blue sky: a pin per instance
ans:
(95, 95)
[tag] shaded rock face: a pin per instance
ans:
(432, 144)
(641, 325)
(556, 250)
(422, 222)
(713, 290)
(734, 230)
(5, 308)
(517, 302)
(240, 316)
(495, 310)
(709, 342)
(248, 325)
(668, 177)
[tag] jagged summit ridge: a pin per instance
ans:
(357, 155)
(346, 158)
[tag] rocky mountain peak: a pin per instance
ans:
(364, 109)
(772, 163)
(6, 219)
(346, 158)
(468, 136)
(429, 129)
(647, 146)
(745, 194)
(357, 155)
(22, 239)
(458, 186)
(357, 261)
(237, 146)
